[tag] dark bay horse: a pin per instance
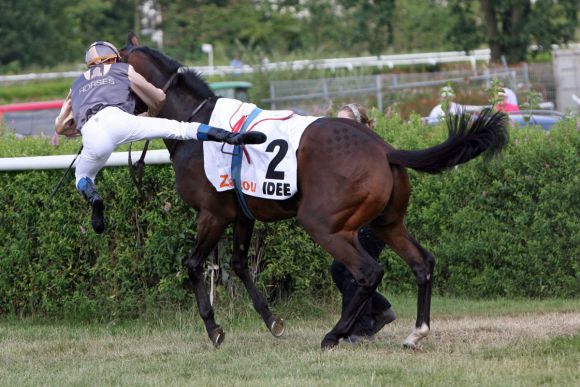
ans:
(348, 177)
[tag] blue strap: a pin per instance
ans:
(202, 132)
(237, 166)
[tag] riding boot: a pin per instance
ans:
(89, 191)
(209, 133)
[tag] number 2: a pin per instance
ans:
(282, 150)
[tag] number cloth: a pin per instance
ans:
(269, 169)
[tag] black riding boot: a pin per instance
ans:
(221, 135)
(89, 191)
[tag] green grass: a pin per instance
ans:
(497, 342)
(35, 91)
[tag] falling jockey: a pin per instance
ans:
(100, 106)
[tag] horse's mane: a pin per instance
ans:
(190, 79)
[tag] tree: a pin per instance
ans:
(421, 25)
(31, 32)
(511, 26)
(465, 33)
(373, 23)
(45, 33)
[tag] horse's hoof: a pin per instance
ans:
(410, 345)
(329, 342)
(277, 326)
(217, 336)
(412, 341)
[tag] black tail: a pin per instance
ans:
(467, 139)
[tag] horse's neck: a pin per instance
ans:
(181, 107)
(171, 146)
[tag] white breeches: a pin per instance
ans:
(111, 127)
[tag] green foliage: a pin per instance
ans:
(508, 228)
(532, 100)
(496, 86)
(373, 23)
(513, 26)
(39, 34)
(34, 91)
(46, 33)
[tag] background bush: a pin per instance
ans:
(508, 228)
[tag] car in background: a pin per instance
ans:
(522, 118)
(544, 118)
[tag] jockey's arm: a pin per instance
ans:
(65, 123)
(153, 97)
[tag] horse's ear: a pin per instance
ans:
(132, 40)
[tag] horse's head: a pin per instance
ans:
(137, 56)
(184, 88)
(131, 43)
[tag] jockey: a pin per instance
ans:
(100, 106)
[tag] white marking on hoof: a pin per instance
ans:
(413, 339)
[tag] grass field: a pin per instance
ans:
(487, 343)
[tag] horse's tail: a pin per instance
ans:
(467, 139)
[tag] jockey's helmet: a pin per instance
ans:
(99, 52)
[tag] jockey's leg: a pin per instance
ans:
(89, 191)
(97, 148)
(135, 128)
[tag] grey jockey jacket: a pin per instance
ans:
(102, 86)
(101, 89)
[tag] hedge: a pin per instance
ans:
(506, 228)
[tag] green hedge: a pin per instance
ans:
(508, 228)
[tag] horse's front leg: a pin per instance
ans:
(209, 231)
(242, 236)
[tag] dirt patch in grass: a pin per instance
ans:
(478, 331)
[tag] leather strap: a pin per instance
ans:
(237, 166)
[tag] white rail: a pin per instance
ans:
(333, 63)
(389, 61)
(160, 156)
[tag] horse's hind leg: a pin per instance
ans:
(422, 264)
(209, 231)
(242, 237)
(346, 249)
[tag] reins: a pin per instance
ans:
(138, 178)
(58, 185)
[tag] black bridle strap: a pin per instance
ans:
(197, 109)
(170, 81)
(138, 179)
(193, 113)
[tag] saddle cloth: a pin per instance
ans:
(269, 169)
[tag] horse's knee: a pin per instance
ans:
(424, 271)
(238, 267)
(193, 265)
(371, 275)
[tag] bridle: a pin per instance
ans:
(138, 178)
